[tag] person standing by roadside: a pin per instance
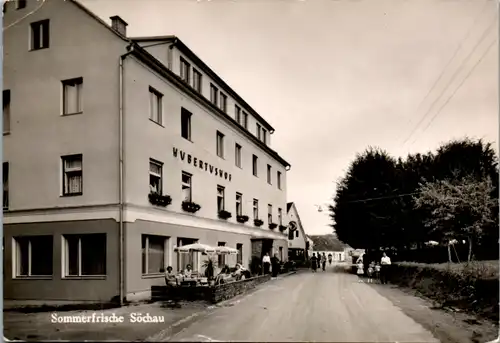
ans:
(385, 262)
(377, 272)
(266, 263)
(313, 262)
(330, 258)
(275, 265)
(323, 261)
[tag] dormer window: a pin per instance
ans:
(185, 70)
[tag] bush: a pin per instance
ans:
(470, 286)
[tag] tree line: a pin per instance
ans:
(450, 195)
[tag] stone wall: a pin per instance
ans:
(232, 289)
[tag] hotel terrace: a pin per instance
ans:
(116, 151)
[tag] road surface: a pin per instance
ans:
(322, 306)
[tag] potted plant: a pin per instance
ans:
(190, 206)
(273, 226)
(159, 200)
(282, 228)
(242, 219)
(224, 214)
(258, 222)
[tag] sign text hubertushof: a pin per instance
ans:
(200, 164)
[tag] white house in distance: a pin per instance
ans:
(329, 244)
(297, 238)
(119, 149)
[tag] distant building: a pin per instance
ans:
(297, 238)
(117, 150)
(329, 244)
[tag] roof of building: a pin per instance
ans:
(288, 207)
(327, 243)
(151, 60)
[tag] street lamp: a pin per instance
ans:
(320, 208)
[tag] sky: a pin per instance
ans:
(334, 77)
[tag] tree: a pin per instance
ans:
(360, 217)
(461, 207)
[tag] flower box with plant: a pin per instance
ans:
(159, 200)
(190, 206)
(273, 226)
(258, 222)
(282, 228)
(225, 214)
(242, 219)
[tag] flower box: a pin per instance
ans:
(224, 214)
(258, 222)
(282, 228)
(273, 226)
(159, 200)
(242, 219)
(190, 206)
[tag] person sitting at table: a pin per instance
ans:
(188, 271)
(170, 277)
(238, 272)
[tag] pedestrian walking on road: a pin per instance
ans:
(275, 265)
(360, 271)
(323, 261)
(313, 262)
(266, 263)
(330, 258)
(385, 262)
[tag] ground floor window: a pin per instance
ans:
(33, 256)
(239, 258)
(281, 253)
(153, 253)
(183, 259)
(85, 255)
(221, 258)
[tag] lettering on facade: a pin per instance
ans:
(196, 162)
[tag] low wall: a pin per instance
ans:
(212, 294)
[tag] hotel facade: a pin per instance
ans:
(116, 151)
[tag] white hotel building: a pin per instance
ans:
(95, 122)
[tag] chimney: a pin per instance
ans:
(119, 25)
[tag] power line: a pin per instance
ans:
(381, 198)
(450, 60)
(483, 36)
(24, 17)
(456, 89)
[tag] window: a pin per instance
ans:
(239, 257)
(258, 131)
(220, 144)
(239, 204)
(155, 176)
(268, 174)
(6, 111)
(269, 214)
(280, 216)
(279, 179)
(223, 102)
(186, 124)
(255, 209)
(237, 114)
(255, 161)
(155, 105)
(281, 253)
(183, 259)
(197, 80)
(185, 68)
(297, 233)
(214, 92)
(85, 255)
(5, 177)
(264, 136)
(40, 35)
(220, 198)
(73, 96)
(221, 258)
(245, 120)
(186, 186)
(290, 234)
(21, 4)
(153, 254)
(237, 155)
(33, 256)
(72, 175)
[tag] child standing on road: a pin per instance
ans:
(377, 272)
(370, 272)
(360, 271)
